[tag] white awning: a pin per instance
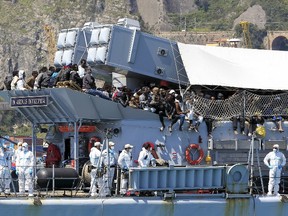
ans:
(235, 67)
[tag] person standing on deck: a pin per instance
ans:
(125, 162)
(274, 160)
(96, 172)
(24, 170)
(109, 164)
(5, 176)
(8, 155)
(145, 157)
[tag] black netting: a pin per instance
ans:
(244, 103)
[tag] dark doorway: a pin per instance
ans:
(67, 153)
(280, 43)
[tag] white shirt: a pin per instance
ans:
(81, 71)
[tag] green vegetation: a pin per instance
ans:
(219, 15)
(13, 123)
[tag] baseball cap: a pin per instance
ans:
(111, 143)
(97, 144)
(128, 146)
(172, 91)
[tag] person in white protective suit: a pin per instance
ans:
(125, 162)
(109, 161)
(21, 81)
(6, 158)
(17, 151)
(96, 169)
(24, 170)
(145, 158)
(5, 177)
(275, 160)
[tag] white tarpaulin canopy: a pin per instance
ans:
(235, 67)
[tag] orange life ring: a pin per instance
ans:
(188, 155)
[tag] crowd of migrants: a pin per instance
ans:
(161, 100)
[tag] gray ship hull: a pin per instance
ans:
(142, 206)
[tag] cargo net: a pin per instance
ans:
(244, 103)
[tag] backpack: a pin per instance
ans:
(7, 81)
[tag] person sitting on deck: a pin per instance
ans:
(42, 80)
(278, 120)
(193, 116)
(255, 121)
(168, 108)
(31, 80)
(14, 81)
(89, 85)
(179, 114)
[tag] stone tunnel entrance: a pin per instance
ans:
(280, 43)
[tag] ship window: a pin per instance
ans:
(67, 57)
(61, 40)
(58, 58)
(70, 38)
(91, 55)
(95, 37)
(101, 54)
(104, 35)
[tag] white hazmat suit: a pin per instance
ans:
(275, 160)
(145, 158)
(96, 162)
(5, 167)
(109, 161)
(24, 169)
(125, 162)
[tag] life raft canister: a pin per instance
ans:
(188, 154)
(92, 141)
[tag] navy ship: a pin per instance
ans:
(215, 170)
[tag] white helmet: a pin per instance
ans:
(97, 144)
(276, 146)
(111, 143)
(128, 146)
(25, 145)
